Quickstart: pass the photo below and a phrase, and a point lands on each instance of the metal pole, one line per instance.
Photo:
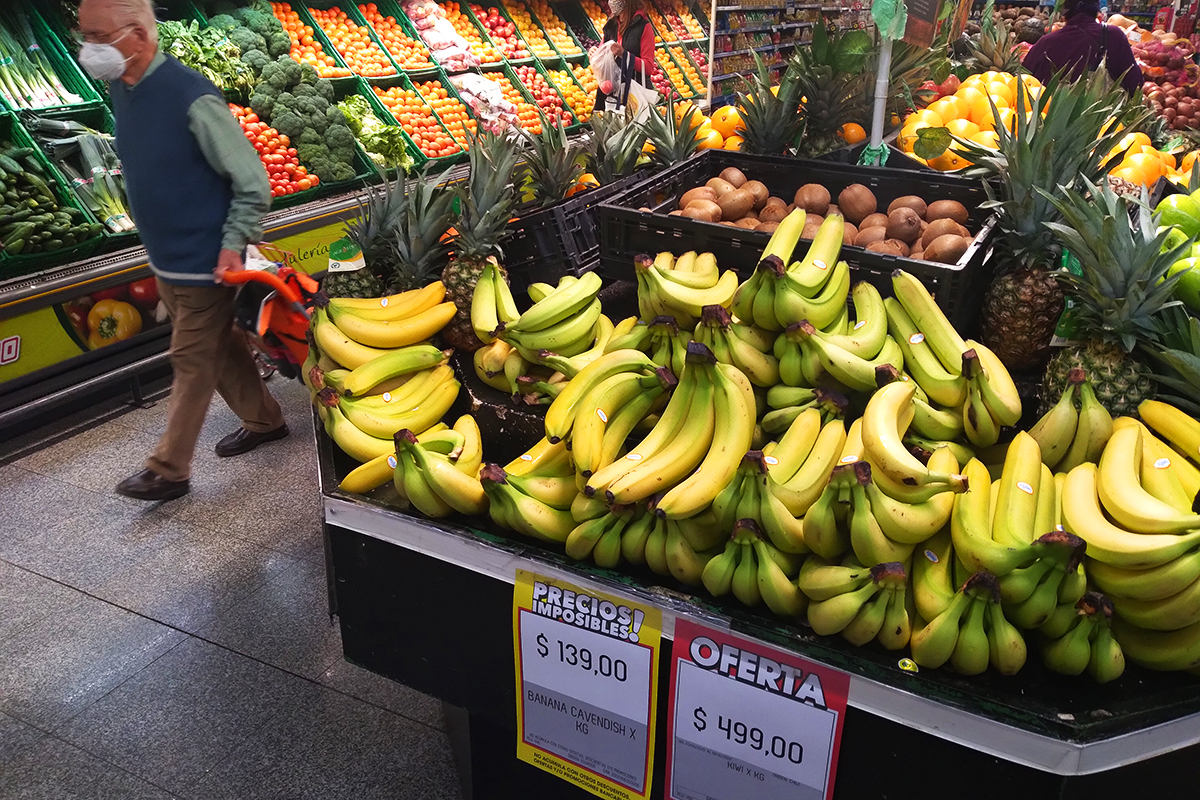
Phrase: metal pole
(881, 91)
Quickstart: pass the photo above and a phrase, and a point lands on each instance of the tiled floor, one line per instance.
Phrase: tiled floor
(185, 650)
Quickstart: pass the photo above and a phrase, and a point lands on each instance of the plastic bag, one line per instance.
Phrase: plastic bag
(607, 70)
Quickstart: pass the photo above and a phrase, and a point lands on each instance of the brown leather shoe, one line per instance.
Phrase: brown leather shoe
(243, 441)
(149, 485)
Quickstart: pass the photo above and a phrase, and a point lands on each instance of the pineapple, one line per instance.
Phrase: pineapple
(673, 136)
(416, 246)
(1179, 356)
(994, 47)
(360, 283)
(552, 165)
(370, 230)
(1122, 287)
(835, 86)
(614, 147)
(771, 123)
(1036, 163)
(487, 202)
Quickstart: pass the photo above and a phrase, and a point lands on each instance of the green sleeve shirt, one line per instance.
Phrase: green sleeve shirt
(230, 154)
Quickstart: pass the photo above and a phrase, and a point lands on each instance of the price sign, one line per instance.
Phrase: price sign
(587, 674)
(748, 720)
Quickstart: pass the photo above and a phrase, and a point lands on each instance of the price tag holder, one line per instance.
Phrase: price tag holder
(587, 679)
(747, 720)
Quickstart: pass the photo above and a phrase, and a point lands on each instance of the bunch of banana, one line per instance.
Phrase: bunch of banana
(607, 414)
(740, 345)
(492, 303)
(461, 444)
(708, 423)
(1033, 594)
(826, 523)
(932, 426)
(845, 593)
(970, 632)
(692, 270)
(600, 538)
(666, 344)
(941, 383)
(748, 496)
(883, 528)
(801, 465)
(992, 400)
(338, 327)
(789, 402)
(534, 493)
(754, 300)
(563, 412)
(852, 370)
(1066, 437)
(673, 292)
(563, 322)
(489, 362)
(739, 568)
(1085, 642)
(885, 421)
(432, 482)
(363, 427)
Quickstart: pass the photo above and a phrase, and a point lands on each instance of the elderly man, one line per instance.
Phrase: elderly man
(198, 193)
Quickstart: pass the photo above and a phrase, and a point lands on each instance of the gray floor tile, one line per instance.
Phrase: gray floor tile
(187, 583)
(96, 543)
(333, 746)
(285, 623)
(376, 689)
(28, 598)
(16, 737)
(55, 770)
(55, 668)
(180, 716)
(27, 496)
(97, 458)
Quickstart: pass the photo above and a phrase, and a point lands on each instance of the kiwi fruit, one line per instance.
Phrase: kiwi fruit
(857, 202)
(646, 208)
(735, 204)
(873, 220)
(720, 186)
(908, 201)
(947, 209)
(751, 214)
(675, 213)
(772, 213)
(810, 229)
(758, 190)
(730, 223)
(890, 247)
(699, 193)
(900, 245)
(903, 224)
(941, 227)
(917, 252)
(848, 233)
(946, 249)
(749, 223)
(734, 176)
(813, 198)
(866, 236)
(833, 209)
(703, 210)
(767, 227)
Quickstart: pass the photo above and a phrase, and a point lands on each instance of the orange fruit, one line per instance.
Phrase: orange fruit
(987, 139)
(970, 94)
(946, 108)
(948, 161)
(1001, 89)
(710, 140)
(734, 142)
(908, 135)
(925, 116)
(726, 121)
(1188, 161)
(852, 133)
(1147, 166)
(962, 127)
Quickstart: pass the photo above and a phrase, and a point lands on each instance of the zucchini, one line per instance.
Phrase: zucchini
(32, 165)
(8, 165)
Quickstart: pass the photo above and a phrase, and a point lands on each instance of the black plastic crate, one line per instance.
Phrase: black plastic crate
(547, 243)
(625, 231)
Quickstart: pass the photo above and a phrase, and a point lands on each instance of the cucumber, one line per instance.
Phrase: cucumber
(8, 165)
(53, 244)
(13, 248)
(31, 165)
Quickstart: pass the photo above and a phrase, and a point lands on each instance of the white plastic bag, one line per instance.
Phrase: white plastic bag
(607, 70)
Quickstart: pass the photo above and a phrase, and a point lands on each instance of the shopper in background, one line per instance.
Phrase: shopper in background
(629, 31)
(198, 192)
(1081, 44)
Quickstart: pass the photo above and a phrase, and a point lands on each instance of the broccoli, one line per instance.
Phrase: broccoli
(283, 74)
(255, 60)
(340, 142)
(335, 116)
(223, 22)
(315, 102)
(264, 97)
(308, 73)
(325, 89)
(318, 160)
(261, 23)
(308, 136)
(287, 121)
(246, 39)
(278, 43)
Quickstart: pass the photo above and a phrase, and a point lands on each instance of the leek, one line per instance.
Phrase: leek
(26, 78)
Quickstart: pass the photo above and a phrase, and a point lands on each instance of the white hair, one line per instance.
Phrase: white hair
(134, 12)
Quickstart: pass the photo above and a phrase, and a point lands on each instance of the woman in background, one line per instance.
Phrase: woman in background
(628, 30)
(1081, 45)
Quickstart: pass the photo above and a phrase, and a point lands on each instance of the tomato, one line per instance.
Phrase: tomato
(115, 293)
(292, 152)
(278, 191)
(144, 292)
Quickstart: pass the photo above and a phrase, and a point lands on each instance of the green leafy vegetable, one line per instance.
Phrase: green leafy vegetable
(384, 143)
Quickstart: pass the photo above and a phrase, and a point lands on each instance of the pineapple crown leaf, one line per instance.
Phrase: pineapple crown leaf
(771, 123)
(551, 165)
(488, 196)
(614, 146)
(673, 142)
(1178, 355)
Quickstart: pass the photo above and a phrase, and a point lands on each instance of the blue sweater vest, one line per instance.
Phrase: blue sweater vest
(178, 200)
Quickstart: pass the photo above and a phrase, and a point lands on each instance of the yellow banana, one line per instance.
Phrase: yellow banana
(1095, 426)
(803, 488)
(403, 361)
(906, 523)
(1168, 614)
(1175, 426)
(928, 317)
(340, 347)
(933, 576)
(831, 616)
(523, 513)
(945, 386)
(795, 445)
(485, 319)
(870, 544)
(394, 333)
(1055, 431)
(882, 442)
(971, 528)
(820, 580)
(780, 595)
(461, 492)
(1155, 583)
(1159, 650)
(420, 417)
(1017, 500)
(933, 643)
(471, 456)
(1123, 496)
(542, 459)
(393, 306)
(996, 386)
(561, 414)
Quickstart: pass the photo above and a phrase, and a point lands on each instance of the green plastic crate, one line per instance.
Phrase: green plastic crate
(541, 24)
(13, 265)
(496, 4)
(59, 58)
(326, 46)
(419, 158)
(352, 12)
(390, 8)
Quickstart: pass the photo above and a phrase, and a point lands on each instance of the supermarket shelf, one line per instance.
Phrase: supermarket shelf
(764, 28)
(751, 8)
(898, 701)
(763, 49)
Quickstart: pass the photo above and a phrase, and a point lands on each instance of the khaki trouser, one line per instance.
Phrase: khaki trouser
(207, 353)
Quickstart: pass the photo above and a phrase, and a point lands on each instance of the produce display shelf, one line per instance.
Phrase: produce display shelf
(764, 49)
(758, 29)
(350, 9)
(751, 8)
(1044, 730)
(390, 8)
(59, 59)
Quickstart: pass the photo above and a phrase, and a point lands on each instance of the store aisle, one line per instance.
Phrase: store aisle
(185, 650)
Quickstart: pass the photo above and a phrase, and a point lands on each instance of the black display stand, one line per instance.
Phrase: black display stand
(430, 605)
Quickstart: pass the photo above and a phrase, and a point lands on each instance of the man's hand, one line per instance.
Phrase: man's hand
(228, 261)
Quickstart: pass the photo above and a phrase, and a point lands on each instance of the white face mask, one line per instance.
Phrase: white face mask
(104, 62)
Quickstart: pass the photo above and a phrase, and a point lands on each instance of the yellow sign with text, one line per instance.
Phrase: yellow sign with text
(33, 341)
(308, 251)
(587, 685)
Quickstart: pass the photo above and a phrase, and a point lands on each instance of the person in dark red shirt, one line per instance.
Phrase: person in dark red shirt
(629, 31)
(1080, 46)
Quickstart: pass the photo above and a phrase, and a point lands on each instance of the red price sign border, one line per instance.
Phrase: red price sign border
(834, 684)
